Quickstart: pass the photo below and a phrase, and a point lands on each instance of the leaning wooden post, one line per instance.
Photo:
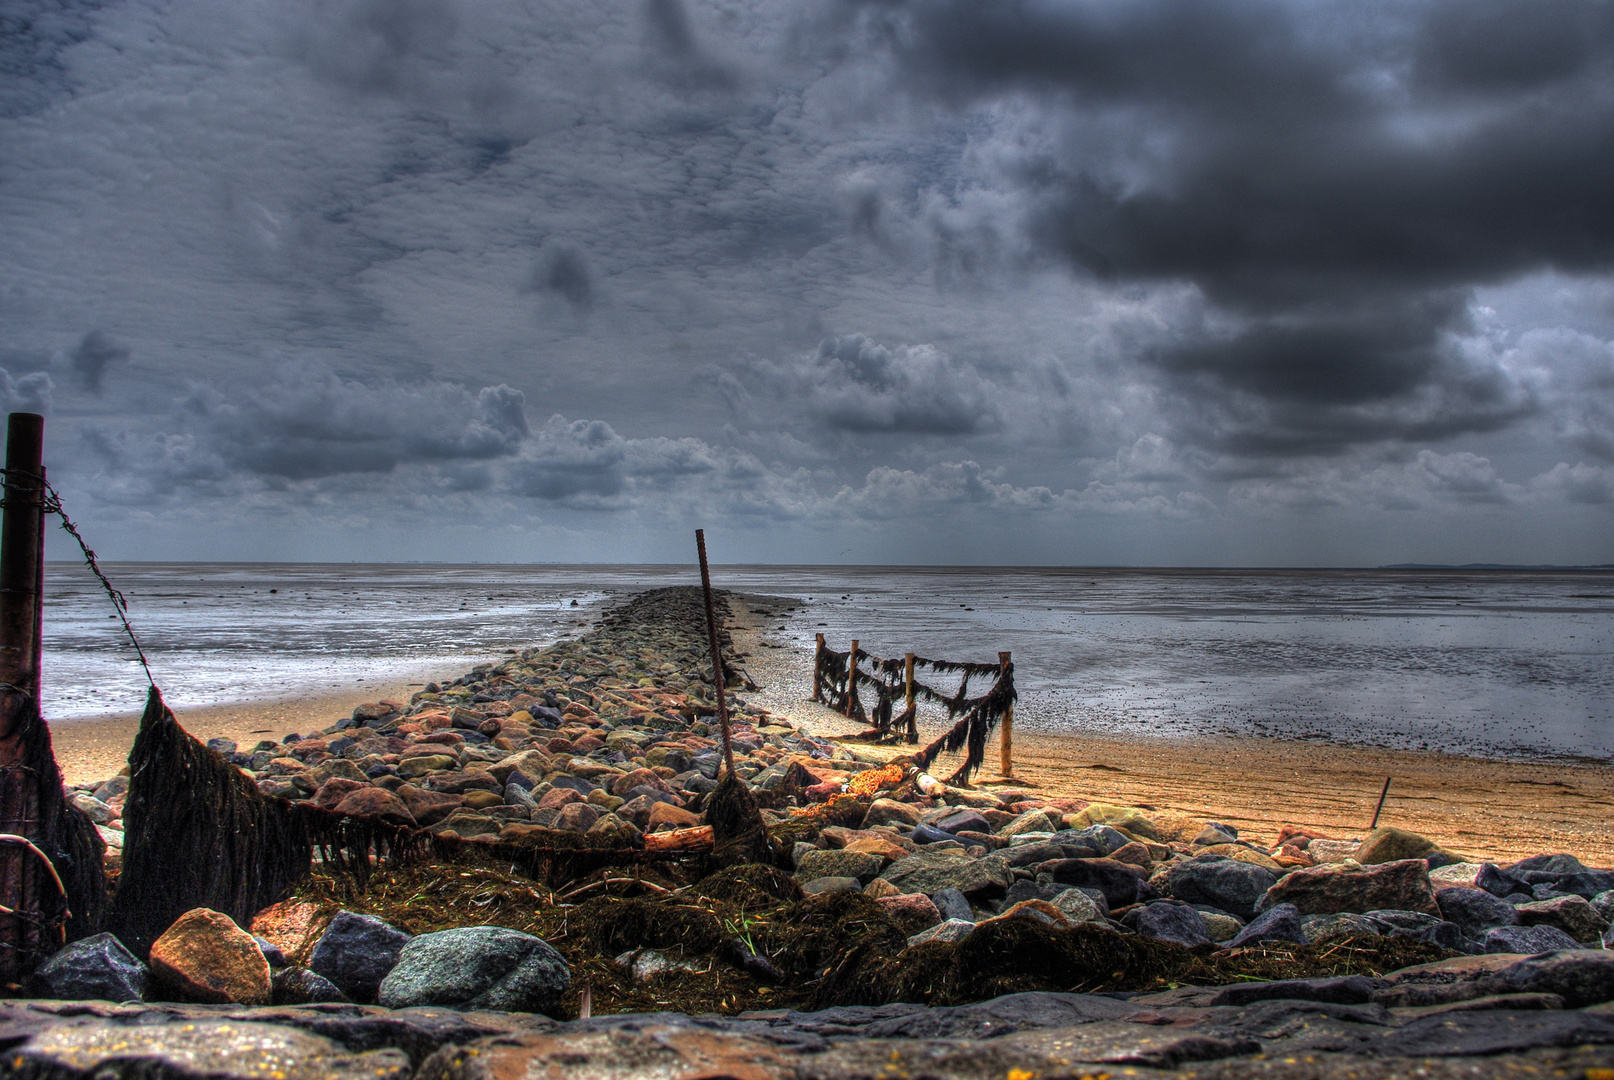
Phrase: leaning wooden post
(851, 677)
(1007, 746)
(21, 534)
(908, 705)
(818, 669)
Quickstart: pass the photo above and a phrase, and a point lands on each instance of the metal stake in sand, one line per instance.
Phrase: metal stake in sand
(717, 656)
(1379, 808)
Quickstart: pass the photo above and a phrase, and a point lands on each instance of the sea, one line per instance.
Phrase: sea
(1491, 663)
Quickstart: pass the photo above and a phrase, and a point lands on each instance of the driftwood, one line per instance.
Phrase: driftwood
(695, 839)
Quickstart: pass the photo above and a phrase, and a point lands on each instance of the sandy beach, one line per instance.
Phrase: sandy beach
(1498, 810)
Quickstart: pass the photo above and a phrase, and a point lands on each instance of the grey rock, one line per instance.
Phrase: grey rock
(952, 904)
(1497, 882)
(300, 986)
(931, 871)
(999, 1016)
(97, 967)
(953, 930)
(1078, 906)
(1581, 977)
(1572, 914)
(1394, 921)
(356, 952)
(1475, 1034)
(929, 834)
(1169, 920)
(475, 968)
(825, 885)
(1527, 939)
(1219, 882)
(1555, 865)
(1475, 910)
(862, 865)
(1342, 990)
(1219, 925)
(1121, 883)
(960, 820)
(1281, 923)
(1340, 924)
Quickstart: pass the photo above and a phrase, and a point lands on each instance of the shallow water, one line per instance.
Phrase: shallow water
(1492, 662)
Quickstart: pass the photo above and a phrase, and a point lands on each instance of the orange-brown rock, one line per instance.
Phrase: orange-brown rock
(1133, 853)
(668, 814)
(292, 926)
(206, 957)
(877, 845)
(428, 807)
(335, 790)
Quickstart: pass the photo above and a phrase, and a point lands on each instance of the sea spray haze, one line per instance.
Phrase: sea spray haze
(1486, 662)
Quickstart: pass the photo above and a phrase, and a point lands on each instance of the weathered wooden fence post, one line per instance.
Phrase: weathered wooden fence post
(818, 670)
(1007, 746)
(21, 576)
(908, 704)
(851, 677)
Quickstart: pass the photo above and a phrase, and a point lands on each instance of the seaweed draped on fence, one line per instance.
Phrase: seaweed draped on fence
(198, 833)
(971, 719)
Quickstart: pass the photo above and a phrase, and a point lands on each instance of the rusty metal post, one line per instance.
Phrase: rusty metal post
(851, 676)
(21, 555)
(717, 655)
(1006, 748)
(818, 670)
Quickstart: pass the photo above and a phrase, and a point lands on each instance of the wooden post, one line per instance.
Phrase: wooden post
(20, 570)
(717, 656)
(1006, 748)
(818, 678)
(851, 676)
(908, 704)
(21, 532)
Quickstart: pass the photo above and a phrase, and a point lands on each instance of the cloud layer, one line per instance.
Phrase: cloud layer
(1161, 281)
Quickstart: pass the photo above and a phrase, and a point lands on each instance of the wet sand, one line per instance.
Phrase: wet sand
(1498, 810)
(1495, 810)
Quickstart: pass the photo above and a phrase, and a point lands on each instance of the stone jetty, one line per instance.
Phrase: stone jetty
(906, 928)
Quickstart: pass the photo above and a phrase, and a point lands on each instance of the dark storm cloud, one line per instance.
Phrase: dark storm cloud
(672, 40)
(92, 356)
(1333, 178)
(33, 36)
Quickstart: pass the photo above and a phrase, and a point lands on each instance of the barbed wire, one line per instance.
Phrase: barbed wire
(51, 503)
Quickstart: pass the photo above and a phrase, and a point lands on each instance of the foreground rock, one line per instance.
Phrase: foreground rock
(1477, 1017)
(476, 968)
(206, 957)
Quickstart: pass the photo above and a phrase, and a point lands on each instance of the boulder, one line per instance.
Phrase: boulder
(1475, 910)
(951, 931)
(664, 813)
(1125, 818)
(1498, 882)
(356, 952)
(1574, 915)
(1219, 925)
(843, 863)
(428, 807)
(477, 967)
(1332, 851)
(1227, 884)
(891, 812)
(952, 904)
(206, 957)
(292, 926)
(377, 803)
(1581, 977)
(95, 967)
(931, 871)
(299, 986)
(1322, 890)
(1121, 884)
(825, 885)
(1340, 924)
(577, 817)
(961, 819)
(1077, 906)
(332, 791)
(1389, 844)
(879, 889)
(1281, 923)
(1031, 821)
(1169, 920)
(1527, 939)
(912, 912)
(421, 764)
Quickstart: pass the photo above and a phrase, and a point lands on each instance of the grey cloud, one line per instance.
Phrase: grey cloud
(856, 385)
(31, 393)
(92, 356)
(563, 271)
(309, 422)
(1333, 178)
(684, 62)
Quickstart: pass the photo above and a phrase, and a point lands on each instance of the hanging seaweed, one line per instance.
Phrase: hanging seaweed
(198, 833)
(52, 848)
(980, 717)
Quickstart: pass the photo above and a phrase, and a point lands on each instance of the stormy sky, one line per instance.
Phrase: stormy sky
(1173, 282)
